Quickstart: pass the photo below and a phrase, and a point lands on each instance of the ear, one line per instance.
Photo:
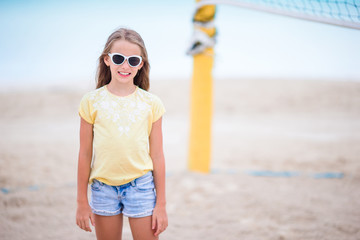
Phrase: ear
(107, 60)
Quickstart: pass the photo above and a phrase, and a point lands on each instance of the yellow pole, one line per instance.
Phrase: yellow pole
(201, 98)
(201, 112)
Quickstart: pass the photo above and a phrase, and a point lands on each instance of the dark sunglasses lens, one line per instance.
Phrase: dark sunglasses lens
(134, 61)
(118, 59)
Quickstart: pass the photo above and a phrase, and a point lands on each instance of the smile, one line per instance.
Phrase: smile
(124, 73)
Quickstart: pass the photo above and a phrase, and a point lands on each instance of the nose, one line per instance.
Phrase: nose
(126, 64)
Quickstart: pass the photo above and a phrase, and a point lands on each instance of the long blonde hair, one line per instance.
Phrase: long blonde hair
(103, 75)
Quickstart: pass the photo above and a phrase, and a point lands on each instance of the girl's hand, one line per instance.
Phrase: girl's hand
(159, 220)
(83, 214)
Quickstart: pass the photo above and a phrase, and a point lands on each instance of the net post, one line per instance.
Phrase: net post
(201, 89)
(201, 112)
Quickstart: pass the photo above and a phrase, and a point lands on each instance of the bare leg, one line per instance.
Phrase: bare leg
(141, 228)
(108, 227)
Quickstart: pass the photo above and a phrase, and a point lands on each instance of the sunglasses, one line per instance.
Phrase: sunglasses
(119, 59)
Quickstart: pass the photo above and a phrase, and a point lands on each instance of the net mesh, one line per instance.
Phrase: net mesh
(339, 12)
(342, 10)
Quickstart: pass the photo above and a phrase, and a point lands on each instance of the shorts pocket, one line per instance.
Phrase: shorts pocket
(145, 186)
(96, 185)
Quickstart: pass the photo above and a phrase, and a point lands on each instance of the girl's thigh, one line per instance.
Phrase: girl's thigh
(141, 228)
(108, 227)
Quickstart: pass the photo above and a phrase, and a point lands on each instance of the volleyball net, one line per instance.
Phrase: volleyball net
(345, 13)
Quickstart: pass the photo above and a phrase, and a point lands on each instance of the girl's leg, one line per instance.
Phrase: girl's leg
(141, 228)
(108, 227)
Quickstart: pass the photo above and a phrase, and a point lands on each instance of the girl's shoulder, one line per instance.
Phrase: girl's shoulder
(149, 97)
(147, 94)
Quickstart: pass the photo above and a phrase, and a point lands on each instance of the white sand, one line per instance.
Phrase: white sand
(306, 127)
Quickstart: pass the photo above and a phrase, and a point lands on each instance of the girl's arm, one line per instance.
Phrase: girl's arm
(83, 213)
(159, 219)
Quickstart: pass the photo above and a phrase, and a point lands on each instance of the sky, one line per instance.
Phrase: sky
(58, 42)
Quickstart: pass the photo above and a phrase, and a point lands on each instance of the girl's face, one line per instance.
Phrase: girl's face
(123, 73)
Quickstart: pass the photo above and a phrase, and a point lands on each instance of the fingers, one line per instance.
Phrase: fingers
(92, 219)
(161, 225)
(158, 231)
(87, 226)
(153, 224)
(83, 223)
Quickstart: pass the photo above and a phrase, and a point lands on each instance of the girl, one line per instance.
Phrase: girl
(122, 122)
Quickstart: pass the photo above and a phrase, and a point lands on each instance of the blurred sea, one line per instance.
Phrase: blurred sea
(58, 42)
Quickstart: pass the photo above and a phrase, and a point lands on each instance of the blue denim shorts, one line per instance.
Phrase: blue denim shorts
(134, 199)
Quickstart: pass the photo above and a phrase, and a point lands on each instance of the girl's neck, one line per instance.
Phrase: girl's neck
(120, 89)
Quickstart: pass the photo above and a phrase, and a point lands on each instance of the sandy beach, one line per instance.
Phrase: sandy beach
(285, 162)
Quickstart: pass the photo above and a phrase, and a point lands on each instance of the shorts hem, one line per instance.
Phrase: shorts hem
(139, 215)
(106, 213)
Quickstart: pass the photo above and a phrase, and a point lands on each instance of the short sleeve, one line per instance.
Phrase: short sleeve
(86, 110)
(158, 109)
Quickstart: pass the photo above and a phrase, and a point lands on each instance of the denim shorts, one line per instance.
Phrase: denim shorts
(135, 199)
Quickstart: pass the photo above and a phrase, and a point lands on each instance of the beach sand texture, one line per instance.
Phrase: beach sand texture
(285, 162)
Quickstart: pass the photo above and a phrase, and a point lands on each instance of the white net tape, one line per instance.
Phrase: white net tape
(344, 13)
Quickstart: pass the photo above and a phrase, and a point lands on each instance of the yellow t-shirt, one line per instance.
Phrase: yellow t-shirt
(122, 127)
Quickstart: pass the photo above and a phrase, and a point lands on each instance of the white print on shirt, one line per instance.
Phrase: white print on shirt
(122, 111)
